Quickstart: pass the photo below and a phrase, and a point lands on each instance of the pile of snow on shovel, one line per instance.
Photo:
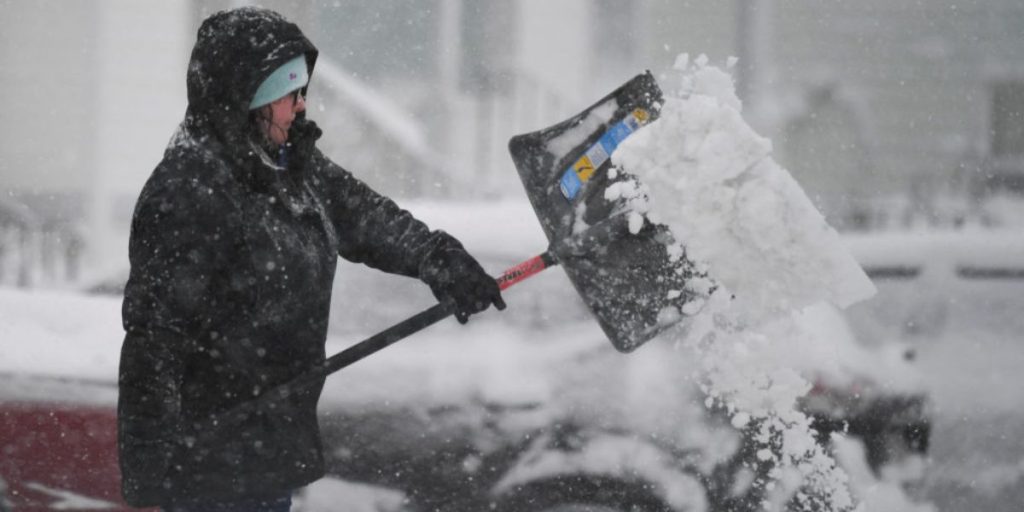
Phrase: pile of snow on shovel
(769, 255)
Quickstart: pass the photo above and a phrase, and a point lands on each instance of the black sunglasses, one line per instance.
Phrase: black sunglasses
(296, 94)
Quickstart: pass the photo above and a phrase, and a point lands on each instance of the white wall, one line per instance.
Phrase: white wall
(553, 46)
(142, 55)
(92, 92)
(46, 55)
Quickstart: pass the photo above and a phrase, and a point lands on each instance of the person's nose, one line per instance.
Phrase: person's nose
(300, 104)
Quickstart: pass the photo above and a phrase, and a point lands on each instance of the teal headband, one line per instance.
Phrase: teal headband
(290, 76)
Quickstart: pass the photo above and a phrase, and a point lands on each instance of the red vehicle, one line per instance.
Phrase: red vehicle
(58, 441)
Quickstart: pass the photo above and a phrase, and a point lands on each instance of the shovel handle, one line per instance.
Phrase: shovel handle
(426, 318)
(378, 341)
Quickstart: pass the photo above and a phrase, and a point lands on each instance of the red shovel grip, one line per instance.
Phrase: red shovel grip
(525, 269)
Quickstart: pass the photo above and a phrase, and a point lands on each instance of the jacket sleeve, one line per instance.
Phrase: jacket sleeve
(175, 253)
(373, 230)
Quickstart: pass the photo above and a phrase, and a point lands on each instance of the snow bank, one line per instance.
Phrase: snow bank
(878, 494)
(326, 494)
(500, 228)
(744, 220)
(60, 335)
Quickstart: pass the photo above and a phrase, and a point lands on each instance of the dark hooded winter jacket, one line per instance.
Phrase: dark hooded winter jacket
(232, 261)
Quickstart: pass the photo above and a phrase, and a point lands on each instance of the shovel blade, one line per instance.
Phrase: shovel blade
(623, 272)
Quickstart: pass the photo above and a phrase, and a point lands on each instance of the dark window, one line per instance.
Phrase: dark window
(1008, 119)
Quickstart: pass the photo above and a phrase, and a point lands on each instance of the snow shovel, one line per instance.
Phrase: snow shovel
(617, 260)
(623, 273)
(619, 266)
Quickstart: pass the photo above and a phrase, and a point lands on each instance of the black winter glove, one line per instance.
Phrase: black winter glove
(455, 277)
(302, 139)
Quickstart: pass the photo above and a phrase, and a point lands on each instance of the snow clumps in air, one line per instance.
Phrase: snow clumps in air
(770, 254)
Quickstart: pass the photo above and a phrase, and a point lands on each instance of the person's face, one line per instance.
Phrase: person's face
(279, 115)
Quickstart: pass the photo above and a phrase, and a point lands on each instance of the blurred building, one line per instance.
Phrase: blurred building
(895, 112)
(889, 113)
(94, 90)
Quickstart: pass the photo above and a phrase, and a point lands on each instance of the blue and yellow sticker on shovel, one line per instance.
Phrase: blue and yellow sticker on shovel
(581, 171)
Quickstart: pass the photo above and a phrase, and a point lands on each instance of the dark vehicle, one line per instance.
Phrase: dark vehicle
(955, 299)
(536, 412)
(589, 429)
